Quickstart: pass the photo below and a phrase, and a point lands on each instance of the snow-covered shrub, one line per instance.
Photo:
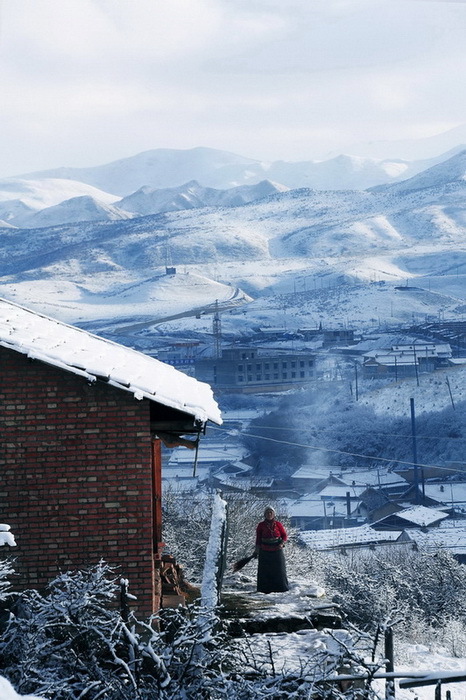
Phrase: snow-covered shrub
(438, 585)
(73, 642)
(328, 418)
(6, 573)
(363, 595)
(453, 637)
(186, 525)
(431, 586)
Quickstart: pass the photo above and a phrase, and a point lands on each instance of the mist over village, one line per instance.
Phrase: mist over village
(233, 350)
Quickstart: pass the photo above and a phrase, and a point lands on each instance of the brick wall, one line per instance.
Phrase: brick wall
(75, 461)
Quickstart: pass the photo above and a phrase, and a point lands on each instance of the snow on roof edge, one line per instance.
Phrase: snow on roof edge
(156, 381)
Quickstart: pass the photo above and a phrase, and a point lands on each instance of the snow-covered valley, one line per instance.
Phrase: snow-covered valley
(156, 266)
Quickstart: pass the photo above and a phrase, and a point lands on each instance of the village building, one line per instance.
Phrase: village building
(251, 370)
(311, 512)
(449, 535)
(310, 478)
(329, 336)
(406, 360)
(349, 538)
(82, 423)
(413, 516)
(452, 332)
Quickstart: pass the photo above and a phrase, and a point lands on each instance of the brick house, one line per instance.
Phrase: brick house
(81, 424)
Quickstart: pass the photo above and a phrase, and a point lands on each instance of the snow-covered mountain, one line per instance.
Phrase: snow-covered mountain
(339, 256)
(167, 168)
(438, 176)
(20, 198)
(39, 193)
(84, 208)
(330, 246)
(192, 195)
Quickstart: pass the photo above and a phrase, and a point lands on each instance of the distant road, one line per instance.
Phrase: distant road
(236, 300)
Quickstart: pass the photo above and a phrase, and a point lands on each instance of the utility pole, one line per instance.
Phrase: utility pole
(217, 331)
(416, 468)
(451, 395)
(356, 380)
(415, 365)
(413, 435)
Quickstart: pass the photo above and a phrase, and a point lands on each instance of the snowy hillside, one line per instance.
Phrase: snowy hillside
(19, 198)
(130, 300)
(452, 170)
(192, 195)
(430, 394)
(76, 209)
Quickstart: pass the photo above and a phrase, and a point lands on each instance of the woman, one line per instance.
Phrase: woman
(270, 540)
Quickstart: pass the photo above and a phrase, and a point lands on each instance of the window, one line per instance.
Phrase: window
(258, 368)
(240, 378)
(275, 365)
(302, 374)
(240, 368)
(249, 368)
(258, 377)
(267, 365)
(293, 365)
(249, 377)
(310, 363)
(284, 365)
(275, 376)
(267, 377)
(293, 375)
(285, 376)
(301, 363)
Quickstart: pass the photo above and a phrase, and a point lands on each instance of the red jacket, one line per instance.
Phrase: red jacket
(270, 534)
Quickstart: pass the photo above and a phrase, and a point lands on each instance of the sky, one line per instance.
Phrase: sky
(87, 82)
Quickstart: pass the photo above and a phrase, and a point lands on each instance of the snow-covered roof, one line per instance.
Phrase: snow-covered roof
(336, 491)
(316, 473)
(451, 493)
(345, 536)
(318, 508)
(452, 537)
(210, 453)
(371, 477)
(419, 515)
(245, 483)
(89, 356)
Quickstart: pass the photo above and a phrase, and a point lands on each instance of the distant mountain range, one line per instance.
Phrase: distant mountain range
(170, 180)
(265, 239)
(428, 209)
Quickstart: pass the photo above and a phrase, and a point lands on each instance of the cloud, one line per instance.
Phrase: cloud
(87, 81)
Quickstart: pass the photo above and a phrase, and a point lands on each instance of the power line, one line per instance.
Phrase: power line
(342, 452)
(371, 432)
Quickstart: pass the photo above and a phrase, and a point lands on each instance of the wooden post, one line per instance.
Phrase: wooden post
(438, 690)
(389, 664)
(157, 496)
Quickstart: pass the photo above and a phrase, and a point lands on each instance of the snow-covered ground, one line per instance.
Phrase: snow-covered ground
(291, 651)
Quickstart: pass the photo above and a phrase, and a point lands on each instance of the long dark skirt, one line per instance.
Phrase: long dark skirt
(271, 572)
